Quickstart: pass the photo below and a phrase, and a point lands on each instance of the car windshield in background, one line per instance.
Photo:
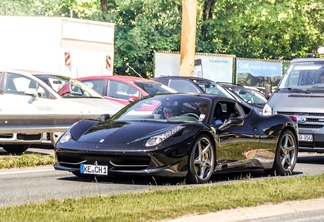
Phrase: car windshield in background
(212, 88)
(68, 87)
(249, 95)
(164, 108)
(305, 77)
(154, 87)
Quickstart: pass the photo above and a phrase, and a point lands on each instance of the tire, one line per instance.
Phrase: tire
(15, 148)
(201, 160)
(286, 155)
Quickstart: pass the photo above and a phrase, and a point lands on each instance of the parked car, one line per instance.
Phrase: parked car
(22, 90)
(300, 92)
(190, 144)
(201, 85)
(246, 94)
(124, 89)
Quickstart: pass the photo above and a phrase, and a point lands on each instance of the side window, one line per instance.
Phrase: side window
(96, 85)
(293, 80)
(11, 84)
(225, 110)
(18, 84)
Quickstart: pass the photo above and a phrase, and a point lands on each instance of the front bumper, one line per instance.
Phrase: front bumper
(124, 163)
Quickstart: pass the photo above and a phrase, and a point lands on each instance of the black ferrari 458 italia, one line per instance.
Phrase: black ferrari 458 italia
(180, 135)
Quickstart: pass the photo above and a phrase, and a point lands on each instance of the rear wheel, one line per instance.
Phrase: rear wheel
(15, 148)
(286, 154)
(201, 160)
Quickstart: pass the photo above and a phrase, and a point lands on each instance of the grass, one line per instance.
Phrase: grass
(25, 160)
(156, 205)
(169, 203)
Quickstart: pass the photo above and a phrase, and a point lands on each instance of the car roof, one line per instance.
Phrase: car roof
(116, 77)
(35, 73)
(307, 60)
(229, 84)
(203, 95)
(54, 75)
(183, 77)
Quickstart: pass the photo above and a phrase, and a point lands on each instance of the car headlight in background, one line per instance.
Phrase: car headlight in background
(155, 140)
(267, 110)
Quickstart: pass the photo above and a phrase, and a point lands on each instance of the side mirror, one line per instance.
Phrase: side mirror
(232, 121)
(104, 117)
(267, 91)
(32, 92)
(133, 98)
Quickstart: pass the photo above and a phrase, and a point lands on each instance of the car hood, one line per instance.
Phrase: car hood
(100, 106)
(296, 102)
(111, 132)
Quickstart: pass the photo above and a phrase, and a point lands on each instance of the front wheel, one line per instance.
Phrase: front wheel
(201, 160)
(286, 154)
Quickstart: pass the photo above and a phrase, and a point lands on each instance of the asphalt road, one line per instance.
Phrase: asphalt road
(43, 183)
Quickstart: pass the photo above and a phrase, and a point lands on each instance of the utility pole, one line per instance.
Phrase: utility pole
(188, 37)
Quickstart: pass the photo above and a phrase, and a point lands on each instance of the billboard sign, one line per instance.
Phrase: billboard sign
(210, 66)
(258, 73)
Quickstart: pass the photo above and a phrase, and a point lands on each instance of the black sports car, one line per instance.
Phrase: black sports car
(206, 134)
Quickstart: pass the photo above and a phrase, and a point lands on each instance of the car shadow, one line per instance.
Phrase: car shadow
(163, 181)
(311, 159)
(34, 151)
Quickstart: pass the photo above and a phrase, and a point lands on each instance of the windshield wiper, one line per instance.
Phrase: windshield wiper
(296, 90)
(316, 88)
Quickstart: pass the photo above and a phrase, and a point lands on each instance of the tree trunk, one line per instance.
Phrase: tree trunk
(104, 7)
(207, 14)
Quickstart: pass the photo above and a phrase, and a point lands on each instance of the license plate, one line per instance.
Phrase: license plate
(93, 169)
(305, 137)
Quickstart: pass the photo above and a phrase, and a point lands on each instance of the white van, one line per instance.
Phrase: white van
(301, 93)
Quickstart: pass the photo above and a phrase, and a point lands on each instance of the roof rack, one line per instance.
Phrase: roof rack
(318, 54)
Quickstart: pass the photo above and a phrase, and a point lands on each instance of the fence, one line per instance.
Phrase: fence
(40, 122)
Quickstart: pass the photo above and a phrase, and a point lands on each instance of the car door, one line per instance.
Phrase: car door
(237, 142)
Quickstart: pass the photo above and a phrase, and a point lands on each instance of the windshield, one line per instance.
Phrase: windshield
(68, 87)
(154, 87)
(165, 108)
(304, 76)
(249, 95)
(213, 88)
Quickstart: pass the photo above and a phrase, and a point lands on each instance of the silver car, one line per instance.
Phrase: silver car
(23, 91)
(300, 93)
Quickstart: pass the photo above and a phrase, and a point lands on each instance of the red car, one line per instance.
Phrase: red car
(124, 89)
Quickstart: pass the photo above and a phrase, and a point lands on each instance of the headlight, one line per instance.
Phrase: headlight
(66, 137)
(155, 140)
(267, 110)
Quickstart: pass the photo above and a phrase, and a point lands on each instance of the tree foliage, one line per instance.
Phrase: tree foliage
(263, 29)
